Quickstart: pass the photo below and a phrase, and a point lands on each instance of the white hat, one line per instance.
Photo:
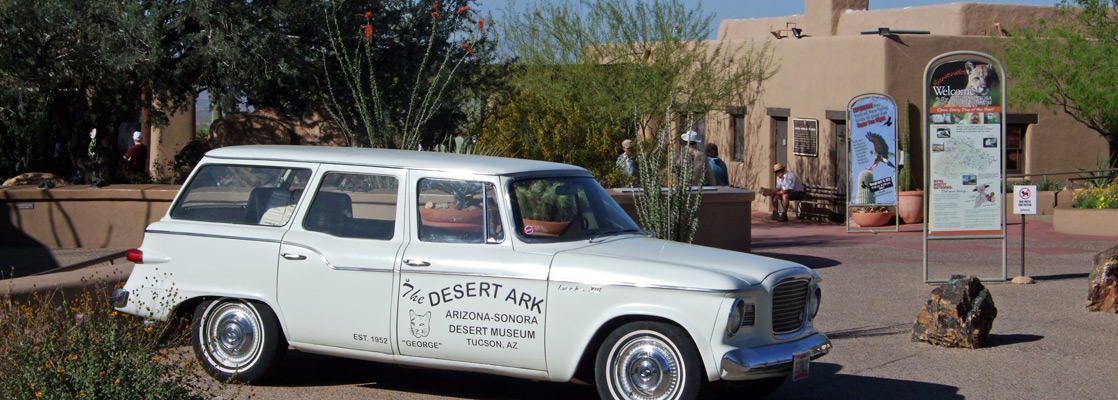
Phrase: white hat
(691, 136)
(137, 135)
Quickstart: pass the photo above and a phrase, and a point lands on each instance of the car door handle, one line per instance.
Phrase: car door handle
(292, 256)
(415, 263)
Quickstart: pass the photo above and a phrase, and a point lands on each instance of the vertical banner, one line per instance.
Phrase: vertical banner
(873, 150)
(964, 98)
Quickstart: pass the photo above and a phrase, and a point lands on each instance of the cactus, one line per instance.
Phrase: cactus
(865, 194)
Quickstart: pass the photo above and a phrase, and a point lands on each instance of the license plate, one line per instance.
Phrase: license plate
(801, 363)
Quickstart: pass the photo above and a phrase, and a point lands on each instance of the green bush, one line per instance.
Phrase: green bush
(67, 347)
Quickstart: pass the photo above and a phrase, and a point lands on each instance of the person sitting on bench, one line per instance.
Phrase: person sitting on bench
(788, 187)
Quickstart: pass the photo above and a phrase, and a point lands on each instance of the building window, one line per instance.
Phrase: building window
(1015, 148)
(738, 121)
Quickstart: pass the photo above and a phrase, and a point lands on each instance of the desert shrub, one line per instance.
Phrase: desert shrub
(59, 345)
(1105, 196)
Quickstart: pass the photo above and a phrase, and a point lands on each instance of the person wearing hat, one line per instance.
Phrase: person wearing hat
(136, 157)
(693, 153)
(788, 187)
(627, 162)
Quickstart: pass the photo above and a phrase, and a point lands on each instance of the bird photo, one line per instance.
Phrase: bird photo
(880, 151)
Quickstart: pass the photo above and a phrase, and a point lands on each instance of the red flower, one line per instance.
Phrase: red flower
(369, 33)
(481, 25)
(368, 14)
(435, 6)
(462, 10)
(434, 14)
(467, 47)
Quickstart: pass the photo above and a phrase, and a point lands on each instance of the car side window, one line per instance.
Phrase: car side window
(352, 205)
(458, 211)
(242, 194)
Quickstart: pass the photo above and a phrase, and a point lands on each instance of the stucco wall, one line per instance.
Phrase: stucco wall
(116, 216)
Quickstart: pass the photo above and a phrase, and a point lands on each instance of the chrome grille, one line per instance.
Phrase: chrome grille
(789, 303)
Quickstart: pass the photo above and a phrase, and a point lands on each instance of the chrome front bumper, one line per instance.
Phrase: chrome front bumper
(741, 364)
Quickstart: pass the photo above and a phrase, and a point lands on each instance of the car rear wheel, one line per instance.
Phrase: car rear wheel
(236, 340)
(646, 361)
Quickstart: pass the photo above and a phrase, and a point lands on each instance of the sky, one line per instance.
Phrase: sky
(738, 9)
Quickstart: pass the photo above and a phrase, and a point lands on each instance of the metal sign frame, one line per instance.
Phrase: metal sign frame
(957, 124)
(876, 111)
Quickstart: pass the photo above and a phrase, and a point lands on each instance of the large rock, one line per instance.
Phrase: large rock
(959, 314)
(1102, 292)
(35, 178)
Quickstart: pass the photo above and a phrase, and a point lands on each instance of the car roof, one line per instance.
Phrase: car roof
(426, 160)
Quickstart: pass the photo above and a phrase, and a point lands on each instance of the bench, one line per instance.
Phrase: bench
(824, 203)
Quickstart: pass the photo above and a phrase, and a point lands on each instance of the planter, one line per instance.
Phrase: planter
(1079, 221)
(911, 206)
(868, 219)
(451, 219)
(545, 228)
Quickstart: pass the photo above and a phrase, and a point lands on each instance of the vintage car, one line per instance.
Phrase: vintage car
(513, 267)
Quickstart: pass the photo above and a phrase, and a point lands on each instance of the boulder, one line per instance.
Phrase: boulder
(958, 314)
(35, 178)
(1102, 290)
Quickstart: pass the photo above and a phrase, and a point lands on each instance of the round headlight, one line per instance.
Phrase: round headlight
(813, 304)
(737, 315)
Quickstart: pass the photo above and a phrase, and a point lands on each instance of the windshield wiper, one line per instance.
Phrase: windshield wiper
(612, 232)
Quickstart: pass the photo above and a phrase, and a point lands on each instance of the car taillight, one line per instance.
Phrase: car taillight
(135, 255)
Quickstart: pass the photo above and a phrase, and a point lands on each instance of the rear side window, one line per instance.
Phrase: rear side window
(352, 205)
(241, 194)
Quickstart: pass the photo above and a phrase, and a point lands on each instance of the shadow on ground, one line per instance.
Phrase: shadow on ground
(826, 381)
(305, 370)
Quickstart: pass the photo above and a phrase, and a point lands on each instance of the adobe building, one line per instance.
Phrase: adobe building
(839, 49)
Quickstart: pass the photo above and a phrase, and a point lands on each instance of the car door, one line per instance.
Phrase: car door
(465, 295)
(336, 265)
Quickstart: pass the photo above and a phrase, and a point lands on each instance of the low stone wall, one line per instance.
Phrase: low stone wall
(79, 216)
(116, 216)
(724, 217)
(1093, 222)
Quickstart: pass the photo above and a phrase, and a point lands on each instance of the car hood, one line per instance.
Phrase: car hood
(644, 261)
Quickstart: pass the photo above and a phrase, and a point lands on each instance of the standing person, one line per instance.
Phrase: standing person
(701, 173)
(788, 187)
(717, 167)
(627, 162)
(136, 157)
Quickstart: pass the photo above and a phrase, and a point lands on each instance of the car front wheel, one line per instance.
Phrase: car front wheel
(646, 361)
(235, 340)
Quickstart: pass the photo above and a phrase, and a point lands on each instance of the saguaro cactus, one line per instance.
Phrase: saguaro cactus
(865, 194)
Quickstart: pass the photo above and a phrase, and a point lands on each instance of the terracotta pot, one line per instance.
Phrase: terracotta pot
(545, 228)
(869, 219)
(911, 206)
(453, 219)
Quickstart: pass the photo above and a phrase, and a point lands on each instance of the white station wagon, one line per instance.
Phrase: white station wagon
(513, 267)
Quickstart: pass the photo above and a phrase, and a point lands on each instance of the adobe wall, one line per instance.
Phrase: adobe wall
(79, 216)
(115, 216)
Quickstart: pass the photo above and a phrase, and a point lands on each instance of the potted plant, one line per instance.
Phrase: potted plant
(461, 209)
(867, 216)
(910, 201)
(545, 207)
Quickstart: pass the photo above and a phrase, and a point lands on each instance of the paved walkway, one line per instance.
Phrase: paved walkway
(1044, 344)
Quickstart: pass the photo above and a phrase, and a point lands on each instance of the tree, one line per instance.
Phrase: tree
(394, 70)
(98, 65)
(637, 66)
(1069, 62)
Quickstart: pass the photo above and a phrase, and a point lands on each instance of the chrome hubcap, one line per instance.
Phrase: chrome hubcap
(234, 330)
(646, 368)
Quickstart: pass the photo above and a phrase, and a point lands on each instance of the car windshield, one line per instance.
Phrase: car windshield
(566, 208)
